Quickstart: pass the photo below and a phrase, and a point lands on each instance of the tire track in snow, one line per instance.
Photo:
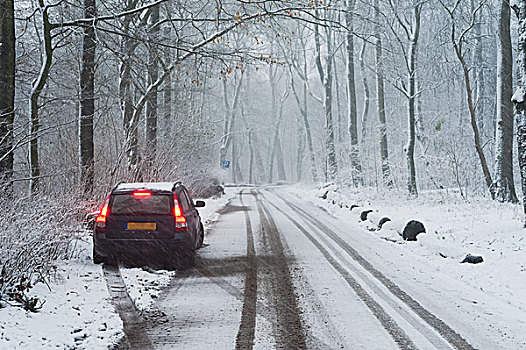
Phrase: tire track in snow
(290, 334)
(390, 325)
(450, 335)
(247, 327)
(134, 327)
(160, 329)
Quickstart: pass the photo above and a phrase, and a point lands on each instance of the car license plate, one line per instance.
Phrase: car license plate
(141, 226)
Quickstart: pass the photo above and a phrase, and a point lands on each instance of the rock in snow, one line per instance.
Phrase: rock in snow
(472, 259)
(383, 221)
(363, 215)
(412, 229)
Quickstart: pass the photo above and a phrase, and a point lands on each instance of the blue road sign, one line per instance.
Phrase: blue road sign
(226, 164)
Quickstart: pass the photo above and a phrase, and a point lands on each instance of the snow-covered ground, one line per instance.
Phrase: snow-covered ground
(78, 313)
(483, 302)
(492, 292)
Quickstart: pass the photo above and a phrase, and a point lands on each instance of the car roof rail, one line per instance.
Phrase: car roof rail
(177, 183)
(117, 185)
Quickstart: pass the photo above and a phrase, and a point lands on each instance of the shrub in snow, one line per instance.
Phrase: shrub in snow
(413, 229)
(34, 232)
(211, 190)
(200, 183)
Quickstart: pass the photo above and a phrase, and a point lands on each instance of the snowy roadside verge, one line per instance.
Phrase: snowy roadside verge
(78, 313)
(455, 227)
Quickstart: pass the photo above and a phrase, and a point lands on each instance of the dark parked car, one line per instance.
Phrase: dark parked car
(149, 222)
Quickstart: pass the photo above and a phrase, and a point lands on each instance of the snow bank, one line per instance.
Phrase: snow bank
(455, 227)
(77, 313)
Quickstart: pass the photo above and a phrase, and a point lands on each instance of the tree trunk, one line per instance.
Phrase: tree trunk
(130, 114)
(36, 90)
(356, 168)
(308, 134)
(233, 163)
(303, 106)
(519, 99)
(410, 147)
(505, 188)
(7, 89)
(300, 149)
(258, 177)
(380, 98)
(326, 79)
(251, 160)
(458, 47)
(87, 100)
(282, 176)
(339, 128)
(274, 116)
(130, 123)
(167, 101)
(479, 64)
(230, 116)
(167, 86)
(366, 94)
(471, 108)
(152, 102)
(276, 153)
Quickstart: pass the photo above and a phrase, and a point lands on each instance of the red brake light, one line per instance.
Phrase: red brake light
(103, 213)
(142, 194)
(180, 219)
(101, 219)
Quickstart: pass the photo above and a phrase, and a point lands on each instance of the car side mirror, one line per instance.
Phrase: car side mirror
(199, 204)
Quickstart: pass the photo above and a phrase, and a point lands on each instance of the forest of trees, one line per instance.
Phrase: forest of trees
(412, 95)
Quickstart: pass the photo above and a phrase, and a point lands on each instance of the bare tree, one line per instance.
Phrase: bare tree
(300, 65)
(411, 30)
(380, 99)
(36, 89)
(458, 45)
(7, 88)
(87, 100)
(276, 153)
(230, 117)
(326, 79)
(519, 98)
(356, 168)
(167, 88)
(479, 67)
(152, 102)
(130, 119)
(504, 185)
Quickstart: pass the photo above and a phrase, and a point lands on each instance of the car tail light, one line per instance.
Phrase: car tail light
(142, 194)
(100, 222)
(180, 219)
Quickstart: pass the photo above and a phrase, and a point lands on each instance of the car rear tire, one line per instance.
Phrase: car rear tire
(201, 236)
(97, 258)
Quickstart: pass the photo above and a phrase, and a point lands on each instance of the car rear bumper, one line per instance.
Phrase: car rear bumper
(141, 248)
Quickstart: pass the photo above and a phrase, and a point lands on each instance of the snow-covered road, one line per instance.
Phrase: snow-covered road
(281, 273)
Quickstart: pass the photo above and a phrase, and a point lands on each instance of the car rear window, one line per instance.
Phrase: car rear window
(127, 204)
